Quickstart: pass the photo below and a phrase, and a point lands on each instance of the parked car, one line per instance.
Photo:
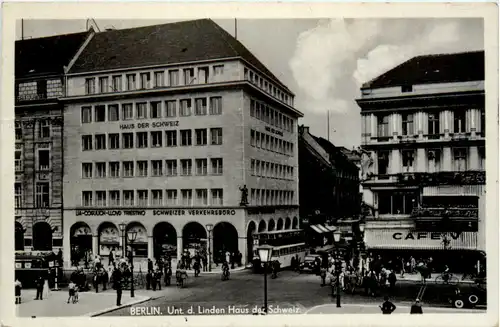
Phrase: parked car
(309, 263)
(468, 299)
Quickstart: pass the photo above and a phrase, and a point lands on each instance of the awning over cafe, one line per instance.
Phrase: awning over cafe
(320, 229)
(418, 240)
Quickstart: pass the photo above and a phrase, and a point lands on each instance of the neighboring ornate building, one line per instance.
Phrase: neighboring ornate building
(39, 83)
(171, 128)
(424, 124)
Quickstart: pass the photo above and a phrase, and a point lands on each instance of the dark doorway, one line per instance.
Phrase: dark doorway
(42, 237)
(19, 237)
(250, 246)
(225, 240)
(194, 237)
(165, 240)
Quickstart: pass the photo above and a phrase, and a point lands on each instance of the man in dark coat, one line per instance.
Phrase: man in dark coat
(387, 307)
(117, 285)
(416, 307)
(39, 288)
(392, 279)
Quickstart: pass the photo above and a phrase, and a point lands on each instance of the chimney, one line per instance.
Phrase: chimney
(305, 129)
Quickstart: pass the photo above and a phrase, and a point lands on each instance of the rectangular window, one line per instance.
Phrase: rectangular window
(217, 199)
(145, 80)
(100, 141)
(433, 124)
(252, 137)
(43, 159)
(383, 126)
(201, 136)
(216, 105)
(201, 197)
(216, 136)
(483, 122)
(89, 85)
(200, 107)
(87, 199)
(18, 160)
(86, 142)
(171, 197)
(459, 121)
(187, 197)
(114, 198)
(128, 169)
(460, 159)
(156, 139)
(42, 195)
(117, 83)
(185, 109)
(171, 108)
(203, 75)
(18, 195)
(19, 131)
(157, 167)
(218, 70)
(155, 110)
(113, 112)
(186, 167)
(127, 111)
(201, 167)
(216, 166)
(188, 76)
(44, 129)
(142, 139)
(100, 168)
(171, 167)
(114, 169)
(408, 159)
(482, 157)
(434, 160)
(408, 124)
(130, 82)
(171, 138)
(142, 196)
(142, 110)
(128, 140)
(100, 113)
(86, 115)
(156, 197)
(383, 162)
(159, 79)
(100, 197)
(128, 198)
(142, 168)
(114, 141)
(186, 137)
(173, 77)
(103, 84)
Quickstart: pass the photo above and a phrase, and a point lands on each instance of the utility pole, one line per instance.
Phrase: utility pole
(235, 28)
(22, 29)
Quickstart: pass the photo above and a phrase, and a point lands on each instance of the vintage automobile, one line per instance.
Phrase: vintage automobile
(309, 263)
(469, 298)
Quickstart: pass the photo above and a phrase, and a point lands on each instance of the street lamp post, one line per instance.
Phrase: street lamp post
(210, 227)
(132, 235)
(265, 254)
(338, 266)
(122, 231)
(362, 237)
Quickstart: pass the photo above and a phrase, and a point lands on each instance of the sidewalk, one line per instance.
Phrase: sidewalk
(90, 303)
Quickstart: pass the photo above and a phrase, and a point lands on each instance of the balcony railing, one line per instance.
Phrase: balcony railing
(445, 212)
(471, 177)
(32, 97)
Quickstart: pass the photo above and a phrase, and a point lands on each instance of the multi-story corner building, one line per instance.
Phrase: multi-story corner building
(172, 129)
(329, 189)
(39, 83)
(424, 124)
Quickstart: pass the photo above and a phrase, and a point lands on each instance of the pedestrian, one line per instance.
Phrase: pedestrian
(233, 259)
(117, 285)
(392, 280)
(168, 275)
(157, 277)
(71, 292)
(17, 287)
(95, 280)
(111, 258)
(150, 265)
(416, 307)
(148, 279)
(104, 278)
(153, 280)
(39, 288)
(387, 307)
(323, 276)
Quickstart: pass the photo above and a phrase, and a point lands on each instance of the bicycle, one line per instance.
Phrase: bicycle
(447, 279)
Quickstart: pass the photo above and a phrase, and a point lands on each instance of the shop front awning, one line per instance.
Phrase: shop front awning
(320, 229)
(401, 239)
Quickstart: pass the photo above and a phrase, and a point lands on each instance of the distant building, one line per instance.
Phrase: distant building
(39, 83)
(328, 186)
(171, 128)
(423, 123)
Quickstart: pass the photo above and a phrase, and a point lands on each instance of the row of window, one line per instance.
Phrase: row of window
(267, 86)
(42, 160)
(434, 160)
(152, 109)
(271, 197)
(153, 139)
(39, 90)
(433, 123)
(43, 130)
(154, 79)
(268, 169)
(42, 195)
(263, 112)
(153, 168)
(270, 143)
(143, 198)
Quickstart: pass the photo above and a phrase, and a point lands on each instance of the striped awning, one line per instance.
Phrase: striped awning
(320, 229)
(418, 240)
(331, 228)
(316, 229)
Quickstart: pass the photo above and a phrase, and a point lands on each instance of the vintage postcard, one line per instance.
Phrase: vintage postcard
(264, 164)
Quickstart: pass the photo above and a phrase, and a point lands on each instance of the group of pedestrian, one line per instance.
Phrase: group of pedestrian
(232, 258)
(388, 307)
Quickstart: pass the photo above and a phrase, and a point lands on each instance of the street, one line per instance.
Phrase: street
(289, 293)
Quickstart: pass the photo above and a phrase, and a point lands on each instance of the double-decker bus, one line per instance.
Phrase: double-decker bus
(287, 244)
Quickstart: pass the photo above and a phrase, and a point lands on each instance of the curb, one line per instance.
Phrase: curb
(107, 310)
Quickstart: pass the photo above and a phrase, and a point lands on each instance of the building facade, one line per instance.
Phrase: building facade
(423, 123)
(39, 83)
(189, 136)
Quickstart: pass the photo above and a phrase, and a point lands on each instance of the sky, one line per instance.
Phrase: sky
(323, 61)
